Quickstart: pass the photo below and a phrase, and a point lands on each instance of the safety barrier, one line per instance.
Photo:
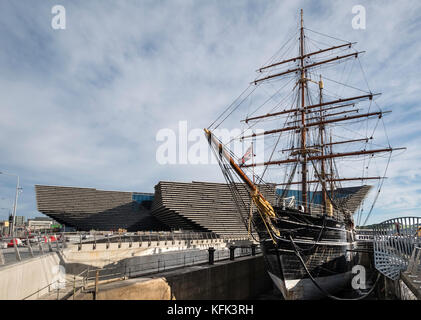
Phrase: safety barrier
(394, 242)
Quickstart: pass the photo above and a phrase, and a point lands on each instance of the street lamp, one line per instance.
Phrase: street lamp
(12, 228)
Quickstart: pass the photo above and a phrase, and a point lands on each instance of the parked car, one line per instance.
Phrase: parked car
(17, 241)
(46, 239)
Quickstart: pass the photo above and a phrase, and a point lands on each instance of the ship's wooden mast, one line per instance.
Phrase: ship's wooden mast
(332, 182)
(322, 133)
(302, 124)
(303, 120)
(320, 151)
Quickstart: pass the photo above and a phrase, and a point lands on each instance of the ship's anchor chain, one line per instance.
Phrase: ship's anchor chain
(323, 290)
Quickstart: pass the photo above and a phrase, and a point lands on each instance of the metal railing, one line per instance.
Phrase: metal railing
(164, 237)
(163, 263)
(95, 277)
(314, 208)
(41, 244)
(60, 288)
(89, 279)
(31, 247)
(394, 242)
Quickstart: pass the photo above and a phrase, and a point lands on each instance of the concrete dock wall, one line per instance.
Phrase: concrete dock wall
(139, 256)
(243, 278)
(20, 280)
(32, 277)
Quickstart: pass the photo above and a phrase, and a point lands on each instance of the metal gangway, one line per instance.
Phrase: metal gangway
(394, 244)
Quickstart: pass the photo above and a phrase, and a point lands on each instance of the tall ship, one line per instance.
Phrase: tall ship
(319, 133)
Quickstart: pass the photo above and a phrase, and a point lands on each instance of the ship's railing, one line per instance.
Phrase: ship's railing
(364, 235)
(394, 242)
(314, 208)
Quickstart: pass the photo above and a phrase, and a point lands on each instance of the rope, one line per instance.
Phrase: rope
(231, 106)
(322, 34)
(378, 191)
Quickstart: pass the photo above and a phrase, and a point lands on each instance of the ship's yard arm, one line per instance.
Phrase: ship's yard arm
(265, 209)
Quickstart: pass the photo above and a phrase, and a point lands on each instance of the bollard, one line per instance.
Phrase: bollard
(253, 249)
(211, 255)
(232, 250)
(80, 243)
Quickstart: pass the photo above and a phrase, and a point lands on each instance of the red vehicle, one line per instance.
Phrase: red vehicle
(17, 241)
(49, 238)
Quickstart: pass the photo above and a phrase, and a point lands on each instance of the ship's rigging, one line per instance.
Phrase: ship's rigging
(313, 133)
(316, 124)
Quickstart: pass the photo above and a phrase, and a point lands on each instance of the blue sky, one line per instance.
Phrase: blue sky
(82, 106)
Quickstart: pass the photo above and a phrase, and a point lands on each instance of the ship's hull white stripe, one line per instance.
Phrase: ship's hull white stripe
(305, 289)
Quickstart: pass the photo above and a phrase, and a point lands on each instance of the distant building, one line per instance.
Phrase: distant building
(4, 227)
(19, 221)
(40, 223)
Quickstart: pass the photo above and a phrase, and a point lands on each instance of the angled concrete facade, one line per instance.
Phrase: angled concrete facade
(198, 206)
(202, 206)
(87, 208)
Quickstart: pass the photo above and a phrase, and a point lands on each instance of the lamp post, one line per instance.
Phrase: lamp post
(12, 227)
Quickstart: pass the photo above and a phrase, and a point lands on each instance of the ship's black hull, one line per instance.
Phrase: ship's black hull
(325, 246)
